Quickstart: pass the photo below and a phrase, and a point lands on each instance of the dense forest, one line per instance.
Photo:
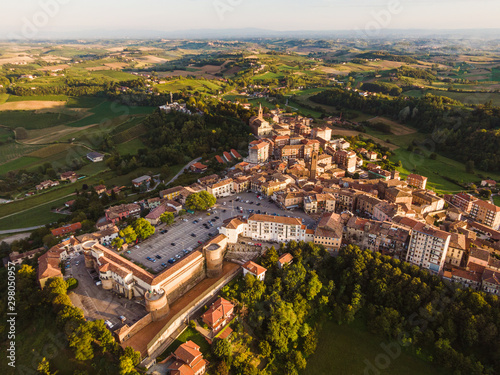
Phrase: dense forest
(454, 328)
(175, 135)
(461, 133)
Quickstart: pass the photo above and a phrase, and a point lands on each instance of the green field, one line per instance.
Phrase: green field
(109, 110)
(5, 134)
(349, 349)
(130, 147)
(83, 102)
(32, 120)
(114, 74)
(268, 75)
(40, 215)
(188, 84)
(16, 164)
(495, 74)
(3, 98)
(55, 98)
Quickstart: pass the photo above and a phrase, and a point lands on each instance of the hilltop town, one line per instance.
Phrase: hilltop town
(244, 211)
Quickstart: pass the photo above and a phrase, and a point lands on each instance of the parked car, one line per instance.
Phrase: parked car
(200, 242)
(178, 256)
(173, 244)
(128, 251)
(158, 256)
(193, 235)
(172, 260)
(163, 265)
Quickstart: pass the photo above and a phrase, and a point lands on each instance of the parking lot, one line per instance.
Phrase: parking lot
(98, 303)
(187, 235)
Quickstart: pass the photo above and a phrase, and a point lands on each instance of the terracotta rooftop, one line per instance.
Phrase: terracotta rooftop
(275, 219)
(254, 268)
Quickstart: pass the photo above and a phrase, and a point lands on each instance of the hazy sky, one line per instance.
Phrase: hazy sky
(51, 17)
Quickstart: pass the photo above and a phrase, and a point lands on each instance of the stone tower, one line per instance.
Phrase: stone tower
(157, 304)
(214, 255)
(261, 112)
(314, 164)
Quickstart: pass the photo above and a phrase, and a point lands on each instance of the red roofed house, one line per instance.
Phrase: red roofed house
(188, 360)
(285, 259)
(219, 159)
(99, 189)
(490, 183)
(70, 228)
(253, 268)
(235, 154)
(219, 314)
(198, 167)
(227, 156)
(69, 176)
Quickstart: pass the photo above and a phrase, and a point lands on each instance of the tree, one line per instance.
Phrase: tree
(126, 365)
(143, 228)
(117, 243)
(221, 348)
(129, 234)
(265, 349)
(43, 367)
(200, 201)
(81, 341)
(270, 259)
(167, 218)
(133, 354)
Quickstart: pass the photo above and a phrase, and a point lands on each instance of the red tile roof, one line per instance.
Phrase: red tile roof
(254, 268)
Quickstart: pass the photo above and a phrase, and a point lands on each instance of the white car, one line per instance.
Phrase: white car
(109, 324)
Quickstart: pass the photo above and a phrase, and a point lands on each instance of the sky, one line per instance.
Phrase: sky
(57, 18)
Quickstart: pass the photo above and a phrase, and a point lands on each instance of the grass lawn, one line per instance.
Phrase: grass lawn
(32, 120)
(346, 350)
(496, 199)
(188, 334)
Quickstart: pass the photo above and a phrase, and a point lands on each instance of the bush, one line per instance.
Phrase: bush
(72, 283)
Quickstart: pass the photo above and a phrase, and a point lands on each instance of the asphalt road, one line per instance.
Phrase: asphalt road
(181, 232)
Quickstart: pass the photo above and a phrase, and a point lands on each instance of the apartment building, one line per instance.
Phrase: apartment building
(485, 213)
(463, 201)
(222, 188)
(428, 247)
(417, 181)
(266, 228)
(258, 152)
